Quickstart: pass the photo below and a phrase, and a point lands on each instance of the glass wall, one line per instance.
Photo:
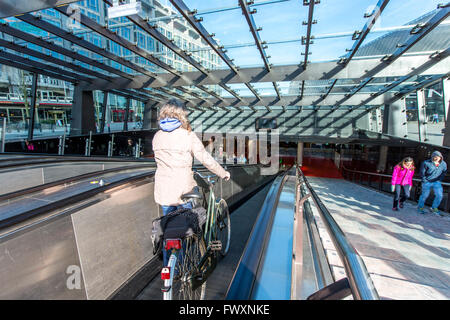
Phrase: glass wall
(433, 113)
(53, 104)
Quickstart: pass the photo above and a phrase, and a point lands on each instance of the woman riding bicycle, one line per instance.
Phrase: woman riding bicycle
(174, 147)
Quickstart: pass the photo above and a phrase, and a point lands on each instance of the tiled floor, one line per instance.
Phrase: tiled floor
(406, 253)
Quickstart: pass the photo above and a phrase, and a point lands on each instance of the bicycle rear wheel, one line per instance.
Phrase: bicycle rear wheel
(223, 226)
(186, 270)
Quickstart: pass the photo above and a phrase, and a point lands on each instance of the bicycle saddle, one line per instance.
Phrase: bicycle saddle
(193, 194)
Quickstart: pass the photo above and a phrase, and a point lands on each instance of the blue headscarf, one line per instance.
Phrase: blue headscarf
(169, 124)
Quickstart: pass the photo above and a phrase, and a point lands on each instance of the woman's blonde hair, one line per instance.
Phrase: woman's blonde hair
(407, 159)
(175, 109)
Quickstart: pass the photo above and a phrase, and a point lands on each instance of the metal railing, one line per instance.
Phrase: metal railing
(382, 182)
(359, 281)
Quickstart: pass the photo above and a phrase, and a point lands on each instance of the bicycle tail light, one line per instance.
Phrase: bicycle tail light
(165, 273)
(173, 244)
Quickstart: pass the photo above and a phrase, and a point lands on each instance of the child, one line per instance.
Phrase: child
(402, 179)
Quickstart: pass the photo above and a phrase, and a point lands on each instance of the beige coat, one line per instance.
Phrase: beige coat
(174, 153)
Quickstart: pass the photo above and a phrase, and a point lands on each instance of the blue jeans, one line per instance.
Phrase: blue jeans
(166, 210)
(438, 193)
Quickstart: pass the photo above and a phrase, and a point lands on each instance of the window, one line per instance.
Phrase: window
(92, 4)
(141, 40)
(150, 44)
(126, 33)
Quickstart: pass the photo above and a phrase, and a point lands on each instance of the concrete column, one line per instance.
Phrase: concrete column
(83, 112)
(379, 120)
(362, 122)
(104, 107)
(446, 97)
(299, 153)
(127, 112)
(150, 115)
(394, 119)
(150, 121)
(422, 115)
(381, 167)
(33, 107)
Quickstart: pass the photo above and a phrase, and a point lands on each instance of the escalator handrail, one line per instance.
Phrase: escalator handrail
(26, 214)
(361, 284)
(22, 192)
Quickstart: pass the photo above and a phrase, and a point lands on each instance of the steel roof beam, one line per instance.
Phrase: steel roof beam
(416, 36)
(435, 58)
(233, 93)
(302, 90)
(157, 94)
(101, 30)
(354, 91)
(307, 39)
(295, 101)
(260, 45)
(5, 28)
(10, 8)
(35, 64)
(29, 68)
(428, 82)
(356, 69)
(361, 36)
(200, 99)
(254, 30)
(277, 90)
(195, 23)
(39, 23)
(324, 96)
(129, 95)
(172, 94)
(417, 33)
(49, 58)
(404, 92)
(153, 31)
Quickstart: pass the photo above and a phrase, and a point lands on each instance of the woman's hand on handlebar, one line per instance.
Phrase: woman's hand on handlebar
(227, 176)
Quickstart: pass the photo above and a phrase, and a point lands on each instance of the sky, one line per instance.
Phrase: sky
(283, 21)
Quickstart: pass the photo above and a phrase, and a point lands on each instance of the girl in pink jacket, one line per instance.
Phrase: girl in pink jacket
(402, 179)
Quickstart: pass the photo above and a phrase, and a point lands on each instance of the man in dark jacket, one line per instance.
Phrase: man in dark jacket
(432, 172)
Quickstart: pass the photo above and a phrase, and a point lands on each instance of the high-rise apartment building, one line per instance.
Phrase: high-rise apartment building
(57, 95)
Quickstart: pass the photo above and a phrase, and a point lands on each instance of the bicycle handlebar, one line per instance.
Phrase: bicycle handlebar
(207, 178)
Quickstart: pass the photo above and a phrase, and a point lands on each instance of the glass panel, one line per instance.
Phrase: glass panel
(54, 107)
(117, 107)
(435, 113)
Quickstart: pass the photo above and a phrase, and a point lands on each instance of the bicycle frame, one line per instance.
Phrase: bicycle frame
(209, 258)
(209, 232)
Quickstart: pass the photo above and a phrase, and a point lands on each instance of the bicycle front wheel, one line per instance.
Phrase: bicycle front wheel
(223, 226)
(187, 276)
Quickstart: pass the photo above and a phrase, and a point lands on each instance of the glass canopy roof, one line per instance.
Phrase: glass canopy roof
(233, 37)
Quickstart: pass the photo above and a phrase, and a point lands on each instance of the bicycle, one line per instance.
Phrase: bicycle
(194, 258)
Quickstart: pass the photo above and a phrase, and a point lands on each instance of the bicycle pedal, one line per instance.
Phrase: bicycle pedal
(215, 245)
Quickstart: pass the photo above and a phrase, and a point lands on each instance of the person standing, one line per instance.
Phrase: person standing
(432, 172)
(175, 145)
(402, 180)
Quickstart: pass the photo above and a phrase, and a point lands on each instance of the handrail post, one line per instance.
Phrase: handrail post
(2, 150)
